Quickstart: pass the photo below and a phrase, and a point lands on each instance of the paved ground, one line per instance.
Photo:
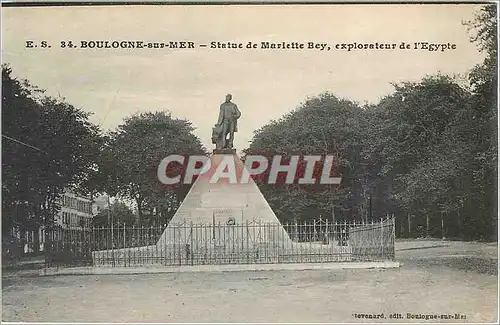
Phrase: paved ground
(435, 278)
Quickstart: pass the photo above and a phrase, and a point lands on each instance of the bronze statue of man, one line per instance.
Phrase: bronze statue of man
(226, 125)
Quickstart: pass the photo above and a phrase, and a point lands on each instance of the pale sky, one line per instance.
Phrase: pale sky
(266, 84)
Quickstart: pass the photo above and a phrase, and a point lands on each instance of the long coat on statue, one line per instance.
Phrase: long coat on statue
(229, 113)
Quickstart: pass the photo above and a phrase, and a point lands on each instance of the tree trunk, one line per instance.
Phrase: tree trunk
(139, 201)
(427, 226)
(409, 225)
(402, 228)
(460, 224)
(36, 240)
(22, 238)
(442, 226)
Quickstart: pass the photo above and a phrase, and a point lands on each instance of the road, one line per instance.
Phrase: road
(435, 279)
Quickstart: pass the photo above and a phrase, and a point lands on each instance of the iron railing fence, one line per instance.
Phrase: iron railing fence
(198, 244)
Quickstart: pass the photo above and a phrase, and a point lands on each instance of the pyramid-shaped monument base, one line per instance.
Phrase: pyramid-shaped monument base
(224, 211)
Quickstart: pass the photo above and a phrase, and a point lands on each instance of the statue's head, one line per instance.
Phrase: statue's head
(229, 97)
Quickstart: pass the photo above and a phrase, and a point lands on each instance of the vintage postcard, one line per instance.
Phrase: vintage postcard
(246, 163)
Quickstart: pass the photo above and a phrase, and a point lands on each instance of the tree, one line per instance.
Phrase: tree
(20, 115)
(120, 212)
(48, 146)
(425, 147)
(323, 125)
(136, 150)
(484, 133)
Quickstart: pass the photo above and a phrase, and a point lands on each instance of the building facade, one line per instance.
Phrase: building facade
(76, 212)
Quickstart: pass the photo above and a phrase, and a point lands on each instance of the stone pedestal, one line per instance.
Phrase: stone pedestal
(224, 213)
(224, 151)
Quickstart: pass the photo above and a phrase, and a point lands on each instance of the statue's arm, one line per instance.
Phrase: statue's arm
(237, 113)
(221, 116)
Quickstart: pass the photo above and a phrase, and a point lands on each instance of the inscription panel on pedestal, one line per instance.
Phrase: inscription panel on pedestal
(227, 216)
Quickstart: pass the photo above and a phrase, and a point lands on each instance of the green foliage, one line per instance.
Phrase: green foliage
(484, 29)
(47, 145)
(427, 151)
(136, 149)
(324, 125)
(119, 213)
(484, 132)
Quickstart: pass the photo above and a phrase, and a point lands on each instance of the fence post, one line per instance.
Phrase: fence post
(393, 237)
(92, 244)
(124, 245)
(305, 239)
(296, 235)
(112, 246)
(326, 239)
(213, 228)
(314, 229)
(345, 235)
(174, 242)
(247, 235)
(382, 236)
(191, 245)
